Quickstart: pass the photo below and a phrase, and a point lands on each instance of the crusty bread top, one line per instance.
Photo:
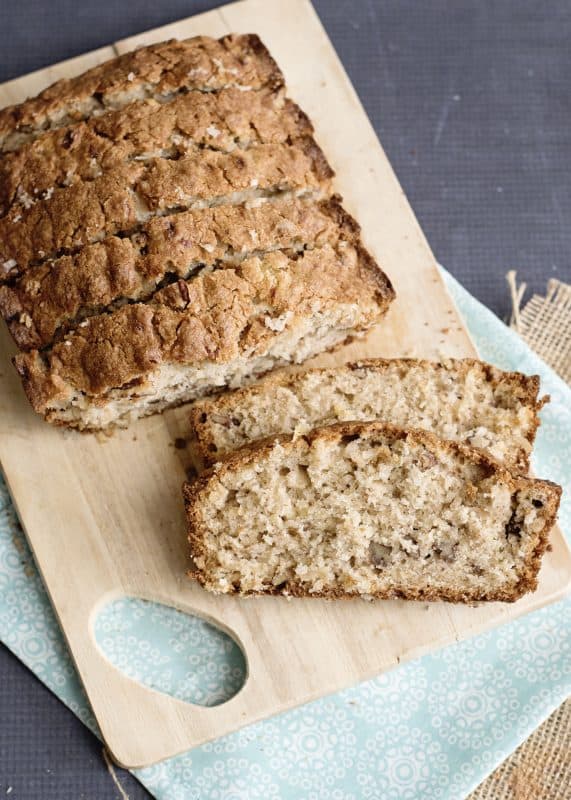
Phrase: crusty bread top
(120, 200)
(201, 63)
(55, 296)
(213, 317)
(473, 401)
(163, 210)
(212, 488)
(225, 121)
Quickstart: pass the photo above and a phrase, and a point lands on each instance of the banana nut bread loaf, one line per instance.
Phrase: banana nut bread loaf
(465, 400)
(363, 508)
(168, 227)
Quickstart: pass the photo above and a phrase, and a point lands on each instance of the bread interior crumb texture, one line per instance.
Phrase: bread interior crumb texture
(462, 400)
(381, 514)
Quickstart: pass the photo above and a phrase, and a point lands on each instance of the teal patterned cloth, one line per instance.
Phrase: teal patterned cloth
(433, 728)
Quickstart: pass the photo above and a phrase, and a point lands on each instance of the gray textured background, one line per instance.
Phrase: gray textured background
(472, 102)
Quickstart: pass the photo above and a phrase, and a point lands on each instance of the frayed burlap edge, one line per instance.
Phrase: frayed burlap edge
(544, 323)
(540, 769)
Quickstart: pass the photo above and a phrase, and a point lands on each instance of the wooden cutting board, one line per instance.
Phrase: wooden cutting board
(105, 518)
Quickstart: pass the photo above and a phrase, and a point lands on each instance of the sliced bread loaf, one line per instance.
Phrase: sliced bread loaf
(168, 228)
(464, 400)
(368, 509)
(159, 71)
(53, 297)
(193, 337)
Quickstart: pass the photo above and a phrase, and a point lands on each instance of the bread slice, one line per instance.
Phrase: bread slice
(464, 400)
(225, 121)
(67, 218)
(366, 509)
(218, 329)
(158, 71)
(51, 298)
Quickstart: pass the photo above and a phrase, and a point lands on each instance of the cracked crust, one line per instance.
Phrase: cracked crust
(156, 71)
(163, 212)
(53, 297)
(69, 218)
(211, 418)
(213, 318)
(224, 121)
(196, 494)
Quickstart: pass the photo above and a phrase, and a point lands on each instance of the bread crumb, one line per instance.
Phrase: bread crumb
(24, 199)
(366, 509)
(278, 323)
(300, 430)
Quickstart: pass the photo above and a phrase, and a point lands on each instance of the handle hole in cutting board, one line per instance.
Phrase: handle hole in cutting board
(170, 651)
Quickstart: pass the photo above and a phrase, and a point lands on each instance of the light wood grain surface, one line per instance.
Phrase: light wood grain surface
(105, 518)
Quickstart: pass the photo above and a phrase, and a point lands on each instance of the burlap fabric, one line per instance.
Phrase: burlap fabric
(540, 769)
(545, 323)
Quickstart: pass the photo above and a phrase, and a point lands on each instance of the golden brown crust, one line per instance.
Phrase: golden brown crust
(249, 455)
(54, 296)
(524, 388)
(291, 589)
(213, 317)
(158, 70)
(111, 184)
(223, 121)
(69, 218)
